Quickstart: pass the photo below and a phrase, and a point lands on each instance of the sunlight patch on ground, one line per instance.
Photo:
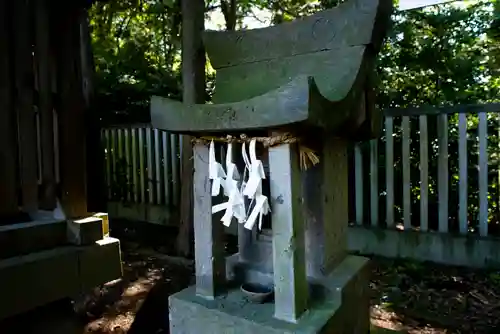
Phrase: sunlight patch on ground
(121, 315)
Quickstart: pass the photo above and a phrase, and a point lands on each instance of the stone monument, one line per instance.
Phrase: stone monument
(303, 89)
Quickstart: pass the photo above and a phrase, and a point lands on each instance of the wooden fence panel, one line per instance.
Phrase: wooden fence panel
(443, 172)
(389, 171)
(406, 173)
(136, 187)
(483, 174)
(167, 167)
(424, 173)
(45, 105)
(8, 128)
(128, 161)
(374, 191)
(358, 165)
(462, 170)
(24, 77)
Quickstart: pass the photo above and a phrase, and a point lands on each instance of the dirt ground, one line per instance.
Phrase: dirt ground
(407, 297)
(427, 298)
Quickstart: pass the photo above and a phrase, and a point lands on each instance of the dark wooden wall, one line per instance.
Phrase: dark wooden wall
(45, 79)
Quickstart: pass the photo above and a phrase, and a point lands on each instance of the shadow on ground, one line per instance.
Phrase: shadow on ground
(407, 297)
(140, 300)
(428, 298)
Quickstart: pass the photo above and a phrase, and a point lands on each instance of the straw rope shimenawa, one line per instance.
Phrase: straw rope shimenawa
(308, 157)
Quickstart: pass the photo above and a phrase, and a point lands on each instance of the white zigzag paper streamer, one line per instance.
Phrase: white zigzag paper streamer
(235, 206)
(228, 180)
(253, 189)
(216, 172)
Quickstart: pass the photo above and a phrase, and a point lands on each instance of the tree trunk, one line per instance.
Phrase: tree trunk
(228, 8)
(193, 82)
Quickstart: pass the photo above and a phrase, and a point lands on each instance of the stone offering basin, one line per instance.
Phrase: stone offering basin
(256, 293)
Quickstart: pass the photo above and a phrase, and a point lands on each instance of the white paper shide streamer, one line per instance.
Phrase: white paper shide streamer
(251, 188)
(216, 172)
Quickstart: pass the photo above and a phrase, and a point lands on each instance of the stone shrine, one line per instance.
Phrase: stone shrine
(313, 80)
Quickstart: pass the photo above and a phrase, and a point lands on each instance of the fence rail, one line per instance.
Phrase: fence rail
(142, 165)
(465, 140)
(434, 170)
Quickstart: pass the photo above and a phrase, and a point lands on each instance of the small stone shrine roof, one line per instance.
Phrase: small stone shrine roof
(310, 72)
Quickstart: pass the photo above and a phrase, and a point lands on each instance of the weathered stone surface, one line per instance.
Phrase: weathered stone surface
(324, 205)
(288, 103)
(38, 278)
(85, 231)
(99, 263)
(290, 280)
(341, 306)
(208, 231)
(24, 238)
(350, 278)
(311, 72)
(308, 75)
(325, 192)
(35, 279)
(352, 23)
(333, 78)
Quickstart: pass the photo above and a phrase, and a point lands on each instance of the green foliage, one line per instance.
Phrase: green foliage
(494, 35)
(136, 51)
(120, 185)
(440, 55)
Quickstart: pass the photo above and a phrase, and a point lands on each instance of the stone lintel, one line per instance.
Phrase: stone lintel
(208, 231)
(290, 281)
(290, 104)
(325, 191)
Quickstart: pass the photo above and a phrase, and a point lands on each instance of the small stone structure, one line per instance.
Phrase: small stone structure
(312, 78)
(47, 149)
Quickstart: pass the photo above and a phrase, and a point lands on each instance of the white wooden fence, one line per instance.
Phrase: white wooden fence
(150, 169)
(147, 160)
(419, 117)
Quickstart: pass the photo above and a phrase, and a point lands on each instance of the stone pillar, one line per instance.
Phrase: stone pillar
(210, 264)
(325, 190)
(290, 281)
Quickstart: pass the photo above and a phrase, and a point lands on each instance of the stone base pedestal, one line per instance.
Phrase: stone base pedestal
(38, 278)
(338, 304)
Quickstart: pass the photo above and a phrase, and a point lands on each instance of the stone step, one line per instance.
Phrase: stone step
(24, 238)
(38, 278)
